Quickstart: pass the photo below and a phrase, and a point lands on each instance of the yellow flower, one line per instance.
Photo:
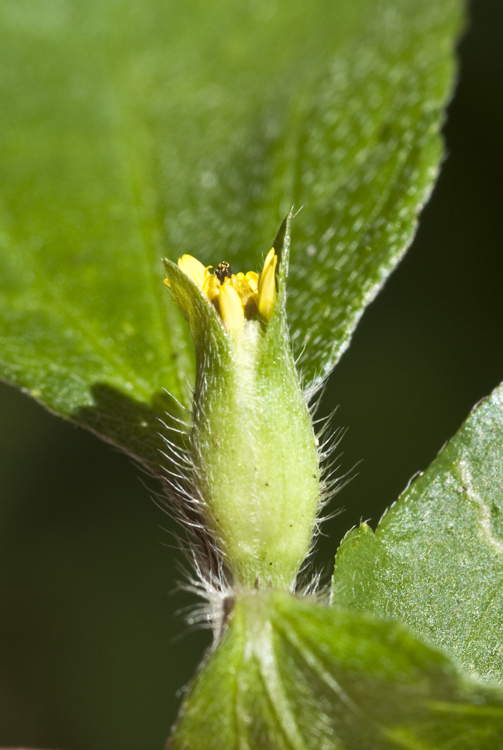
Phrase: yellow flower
(236, 297)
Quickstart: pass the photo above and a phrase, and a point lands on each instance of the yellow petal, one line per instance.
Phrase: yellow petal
(211, 287)
(267, 285)
(193, 268)
(252, 279)
(231, 307)
(248, 297)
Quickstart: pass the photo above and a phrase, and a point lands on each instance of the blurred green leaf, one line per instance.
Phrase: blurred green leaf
(132, 130)
(291, 674)
(436, 559)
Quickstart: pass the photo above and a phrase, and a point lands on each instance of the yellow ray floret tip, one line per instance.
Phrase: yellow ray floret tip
(231, 307)
(267, 285)
(193, 268)
(211, 287)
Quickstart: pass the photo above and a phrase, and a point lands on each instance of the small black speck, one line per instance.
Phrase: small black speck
(267, 484)
(314, 476)
(223, 271)
(270, 563)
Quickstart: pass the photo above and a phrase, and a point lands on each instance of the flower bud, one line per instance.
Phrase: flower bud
(253, 447)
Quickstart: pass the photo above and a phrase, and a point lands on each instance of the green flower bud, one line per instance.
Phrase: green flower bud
(253, 448)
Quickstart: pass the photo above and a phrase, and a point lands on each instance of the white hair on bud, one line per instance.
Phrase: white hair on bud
(182, 471)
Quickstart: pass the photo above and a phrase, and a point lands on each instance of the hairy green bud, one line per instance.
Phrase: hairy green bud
(254, 451)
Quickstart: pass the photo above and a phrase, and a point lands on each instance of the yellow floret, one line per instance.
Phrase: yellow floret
(267, 286)
(194, 269)
(231, 307)
(239, 297)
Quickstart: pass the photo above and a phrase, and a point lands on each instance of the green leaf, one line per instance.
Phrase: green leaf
(367, 153)
(436, 559)
(291, 674)
(136, 130)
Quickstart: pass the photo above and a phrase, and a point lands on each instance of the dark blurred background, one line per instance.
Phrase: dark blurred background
(92, 653)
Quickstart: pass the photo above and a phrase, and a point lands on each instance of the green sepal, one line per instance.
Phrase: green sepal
(206, 327)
